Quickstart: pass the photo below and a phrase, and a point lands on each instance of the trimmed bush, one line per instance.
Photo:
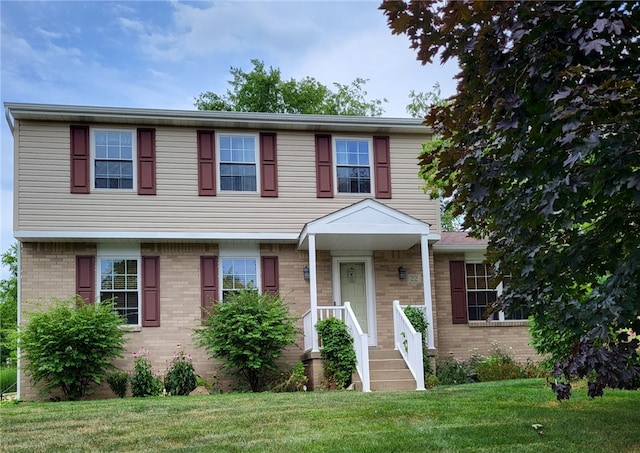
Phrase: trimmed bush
(338, 356)
(71, 345)
(248, 332)
(118, 383)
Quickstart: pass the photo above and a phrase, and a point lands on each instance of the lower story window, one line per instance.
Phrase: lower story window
(238, 274)
(482, 293)
(119, 282)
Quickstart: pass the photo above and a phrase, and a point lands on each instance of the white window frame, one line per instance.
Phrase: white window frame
(335, 165)
(256, 138)
(247, 252)
(134, 158)
(111, 252)
(498, 289)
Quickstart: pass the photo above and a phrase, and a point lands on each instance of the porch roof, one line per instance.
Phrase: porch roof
(366, 225)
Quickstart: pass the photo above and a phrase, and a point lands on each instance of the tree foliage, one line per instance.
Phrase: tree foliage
(9, 305)
(264, 90)
(249, 332)
(541, 152)
(71, 345)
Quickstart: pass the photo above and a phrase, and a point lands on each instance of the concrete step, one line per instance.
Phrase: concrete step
(389, 375)
(390, 386)
(377, 354)
(388, 372)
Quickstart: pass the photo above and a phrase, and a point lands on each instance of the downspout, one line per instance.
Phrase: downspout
(7, 114)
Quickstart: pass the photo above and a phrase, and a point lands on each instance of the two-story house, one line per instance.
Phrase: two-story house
(166, 211)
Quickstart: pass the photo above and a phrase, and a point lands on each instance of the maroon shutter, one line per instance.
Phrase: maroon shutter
(324, 167)
(206, 163)
(268, 165)
(146, 161)
(458, 292)
(151, 291)
(382, 165)
(80, 159)
(270, 280)
(208, 282)
(85, 278)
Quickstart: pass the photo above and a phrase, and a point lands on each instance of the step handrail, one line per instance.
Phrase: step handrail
(360, 345)
(409, 342)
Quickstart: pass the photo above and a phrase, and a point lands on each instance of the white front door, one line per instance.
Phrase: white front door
(353, 282)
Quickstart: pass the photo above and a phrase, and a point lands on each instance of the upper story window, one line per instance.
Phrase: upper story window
(120, 281)
(113, 159)
(353, 165)
(238, 168)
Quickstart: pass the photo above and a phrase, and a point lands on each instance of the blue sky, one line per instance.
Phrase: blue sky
(163, 54)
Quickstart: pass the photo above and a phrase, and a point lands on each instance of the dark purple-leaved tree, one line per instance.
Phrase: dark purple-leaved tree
(540, 151)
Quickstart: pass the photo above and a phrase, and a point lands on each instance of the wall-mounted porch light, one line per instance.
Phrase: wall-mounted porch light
(305, 272)
(402, 273)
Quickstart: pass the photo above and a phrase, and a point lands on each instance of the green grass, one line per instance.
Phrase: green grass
(8, 378)
(485, 417)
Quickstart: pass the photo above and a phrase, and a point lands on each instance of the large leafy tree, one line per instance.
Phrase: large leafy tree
(541, 152)
(264, 90)
(9, 305)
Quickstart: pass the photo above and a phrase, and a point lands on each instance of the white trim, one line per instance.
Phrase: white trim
(212, 119)
(134, 158)
(369, 288)
(120, 252)
(372, 186)
(257, 160)
(21, 235)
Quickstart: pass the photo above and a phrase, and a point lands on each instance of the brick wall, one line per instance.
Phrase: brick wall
(462, 340)
(48, 271)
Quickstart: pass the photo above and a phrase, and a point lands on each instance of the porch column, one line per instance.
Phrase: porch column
(426, 279)
(313, 291)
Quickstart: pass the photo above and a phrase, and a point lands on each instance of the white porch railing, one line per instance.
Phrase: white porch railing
(409, 343)
(360, 344)
(360, 339)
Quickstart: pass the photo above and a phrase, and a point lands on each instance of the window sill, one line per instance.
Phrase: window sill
(131, 328)
(506, 323)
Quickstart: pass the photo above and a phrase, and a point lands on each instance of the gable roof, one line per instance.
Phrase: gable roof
(365, 225)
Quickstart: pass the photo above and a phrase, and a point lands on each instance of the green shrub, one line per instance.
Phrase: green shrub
(451, 371)
(248, 332)
(8, 379)
(419, 322)
(144, 382)
(499, 366)
(294, 380)
(118, 383)
(71, 345)
(180, 378)
(338, 356)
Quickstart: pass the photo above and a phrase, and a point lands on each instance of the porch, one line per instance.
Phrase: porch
(377, 369)
(358, 252)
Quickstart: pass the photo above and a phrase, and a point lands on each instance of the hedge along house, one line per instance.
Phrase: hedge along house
(168, 211)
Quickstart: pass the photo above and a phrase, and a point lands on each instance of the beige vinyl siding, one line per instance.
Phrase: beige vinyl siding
(44, 201)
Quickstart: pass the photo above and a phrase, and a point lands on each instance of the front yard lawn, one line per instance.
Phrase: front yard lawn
(486, 417)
